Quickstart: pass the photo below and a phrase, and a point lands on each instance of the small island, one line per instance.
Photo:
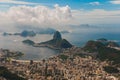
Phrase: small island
(24, 33)
(29, 42)
(56, 43)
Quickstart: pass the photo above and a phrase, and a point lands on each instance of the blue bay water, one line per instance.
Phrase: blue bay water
(78, 37)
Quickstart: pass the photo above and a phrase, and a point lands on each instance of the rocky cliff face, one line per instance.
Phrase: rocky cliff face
(57, 41)
(57, 36)
(65, 44)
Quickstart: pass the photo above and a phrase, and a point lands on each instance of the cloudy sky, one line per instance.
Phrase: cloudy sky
(57, 14)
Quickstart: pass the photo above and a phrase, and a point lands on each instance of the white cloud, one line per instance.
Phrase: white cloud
(97, 16)
(16, 2)
(94, 3)
(38, 16)
(57, 17)
(115, 2)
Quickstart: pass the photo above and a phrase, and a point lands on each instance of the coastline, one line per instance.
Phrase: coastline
(46, 45)
(24, 61)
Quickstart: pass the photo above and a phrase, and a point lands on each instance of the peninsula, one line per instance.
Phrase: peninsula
(56, 43)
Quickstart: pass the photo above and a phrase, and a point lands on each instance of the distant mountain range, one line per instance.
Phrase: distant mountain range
(28, 33)
(24, 33)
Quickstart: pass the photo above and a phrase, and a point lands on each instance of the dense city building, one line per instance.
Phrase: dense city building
(72, 67)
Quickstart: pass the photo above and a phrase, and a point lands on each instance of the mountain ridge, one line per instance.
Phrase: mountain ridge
(56, 43)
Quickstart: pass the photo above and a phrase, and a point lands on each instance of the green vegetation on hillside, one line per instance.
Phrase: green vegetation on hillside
(11, 54)
(113, 44)
(81, 55)
(65, 44)
(93, 46)
(110, 69)
(4, 72)
(104, 52)
(102, 40)
(109, 54)
(63, 57)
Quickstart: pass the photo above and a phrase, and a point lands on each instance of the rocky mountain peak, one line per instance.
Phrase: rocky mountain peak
(57, 36)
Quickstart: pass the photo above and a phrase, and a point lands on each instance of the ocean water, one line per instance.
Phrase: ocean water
(14, 43)
(78, 37)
